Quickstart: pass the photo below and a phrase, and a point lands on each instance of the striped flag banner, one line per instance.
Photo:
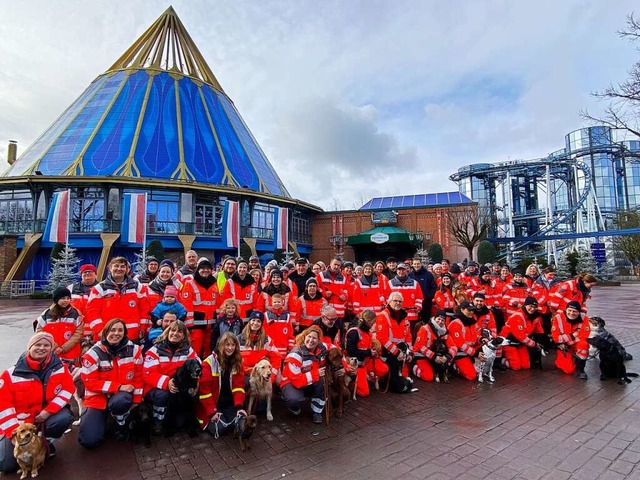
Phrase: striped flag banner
(230, 223)
(282, 228)
(57, 227)
(134, 218)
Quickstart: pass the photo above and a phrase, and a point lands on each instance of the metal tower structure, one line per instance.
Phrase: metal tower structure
(569, 196)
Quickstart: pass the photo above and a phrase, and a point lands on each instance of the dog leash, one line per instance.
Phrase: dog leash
(224, 424)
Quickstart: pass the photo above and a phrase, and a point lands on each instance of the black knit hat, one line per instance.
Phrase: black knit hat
(59, 293)
(168, 263)
(455, 268)
(530, 301)
(484, 269)
(575, 305)
(311, 280)
(204, 262)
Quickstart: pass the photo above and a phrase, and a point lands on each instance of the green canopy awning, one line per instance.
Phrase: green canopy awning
(380, 235)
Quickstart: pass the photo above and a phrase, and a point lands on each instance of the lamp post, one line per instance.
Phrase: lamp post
(337, 241)
(420, 238)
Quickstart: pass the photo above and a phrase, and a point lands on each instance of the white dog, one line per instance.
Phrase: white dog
(484, 368)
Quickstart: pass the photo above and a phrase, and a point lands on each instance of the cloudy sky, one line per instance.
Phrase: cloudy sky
(349, 99)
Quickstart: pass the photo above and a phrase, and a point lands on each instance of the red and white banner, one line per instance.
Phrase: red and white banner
(281, 225)
(231, 223)
(57, 228)
(134, 218)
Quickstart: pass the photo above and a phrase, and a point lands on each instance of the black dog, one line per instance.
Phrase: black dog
(612, 354)
(441, 369)
(140, 424)
(182, 405)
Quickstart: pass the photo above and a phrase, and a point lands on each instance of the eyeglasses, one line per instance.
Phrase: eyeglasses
(396, 301)
(331, 319)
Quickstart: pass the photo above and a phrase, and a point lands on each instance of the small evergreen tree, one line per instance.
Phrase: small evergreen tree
(486, 252)
(586, 264)
(564, 270)
(64, 269)
(139, 266)
(156, 249)
(435, 252)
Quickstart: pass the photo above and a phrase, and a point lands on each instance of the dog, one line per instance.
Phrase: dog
(352, 362)
(261, 387)
(441, 370)
(338, 386)
(140, 424)
(611, 353)
(484, 368)
(184, 402)
(244, 430)
(29, 449)
(376, 346)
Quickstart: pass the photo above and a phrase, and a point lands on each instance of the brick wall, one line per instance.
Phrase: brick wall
(429, 220)
(8, 254)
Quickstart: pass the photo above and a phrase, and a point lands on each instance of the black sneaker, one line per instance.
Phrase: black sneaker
(294, 411)
(122, 435)
(52, 450)
(317, 418)
(582, 376)
(156, 430)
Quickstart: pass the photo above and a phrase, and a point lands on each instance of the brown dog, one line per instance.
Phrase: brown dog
(29, 449)
(260, 383)
(338, 385)
(246, 426)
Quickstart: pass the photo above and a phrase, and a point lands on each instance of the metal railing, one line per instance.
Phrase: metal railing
(17, 288)
(255, 232)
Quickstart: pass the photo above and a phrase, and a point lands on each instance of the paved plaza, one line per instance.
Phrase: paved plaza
(530, 425)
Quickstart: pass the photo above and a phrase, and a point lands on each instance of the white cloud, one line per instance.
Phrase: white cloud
(346, 98)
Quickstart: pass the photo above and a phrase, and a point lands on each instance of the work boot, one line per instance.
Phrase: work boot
(317, 418)
(580, 364)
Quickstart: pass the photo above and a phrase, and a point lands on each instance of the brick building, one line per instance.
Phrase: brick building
(387, 226)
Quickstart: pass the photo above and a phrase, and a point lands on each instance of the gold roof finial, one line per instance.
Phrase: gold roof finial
(166, 45)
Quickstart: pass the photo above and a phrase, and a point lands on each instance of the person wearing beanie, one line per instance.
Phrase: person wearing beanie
(65, 324)
(201, 298)
(164, 279)
(483, 283)
(484, 315)
(276, 285)
(432, 356)
(570, 330)
(229, 267)
(150, 272)
(118, 296)
(309, 305)
(369, 292)
(243, 288)
(514, 294)
(301, 274)
(359, 344)
(169, 303)
(520, 330)
(464, 341)
(577, 289)
(113, 378)
(37, 389)
(81, 290)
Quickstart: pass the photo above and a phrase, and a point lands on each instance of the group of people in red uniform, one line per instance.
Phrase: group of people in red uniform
(395, 319)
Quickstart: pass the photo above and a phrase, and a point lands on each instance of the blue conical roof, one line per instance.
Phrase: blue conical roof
(158, 112)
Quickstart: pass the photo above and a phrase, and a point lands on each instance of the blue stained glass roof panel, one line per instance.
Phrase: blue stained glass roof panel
(386, 202)
(205, 163)
(157, 153)
(443, 199)
(71, 142)
(235, 156)
(112, 142)
(40, 146)
(407, 201)
(262, 166)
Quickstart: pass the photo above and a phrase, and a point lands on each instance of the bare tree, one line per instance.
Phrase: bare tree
(623, 110)
(359, 202)
(335, 204)
(629, 245)
(469, 226)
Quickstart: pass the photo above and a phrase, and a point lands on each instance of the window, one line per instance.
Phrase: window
(87, 210)
(300, 228)
(16, 211)
(262, 221)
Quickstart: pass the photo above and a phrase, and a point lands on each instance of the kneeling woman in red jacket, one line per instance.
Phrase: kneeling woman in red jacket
(303, 374)
(112, 377)
(37, 389)
(222, 394)
(161, 362)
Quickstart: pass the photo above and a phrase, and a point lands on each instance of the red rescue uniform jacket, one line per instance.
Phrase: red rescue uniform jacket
(308, 309)
(201, 302)
(210, 385)
(67, 331)
(301, 367)
(161, 363)
(278, 326)
(392, 331)
(563, 331)
(23, 395)
(411, 294)
(463, 339)
(104, 372)
(127, 301)
(251, 355)
(566, 292)
(244, 290)
(333, 287)
(370, 294)
(519, 327)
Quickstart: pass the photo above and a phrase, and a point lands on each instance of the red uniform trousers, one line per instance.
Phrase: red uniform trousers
(516, 357)
(373, 368)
